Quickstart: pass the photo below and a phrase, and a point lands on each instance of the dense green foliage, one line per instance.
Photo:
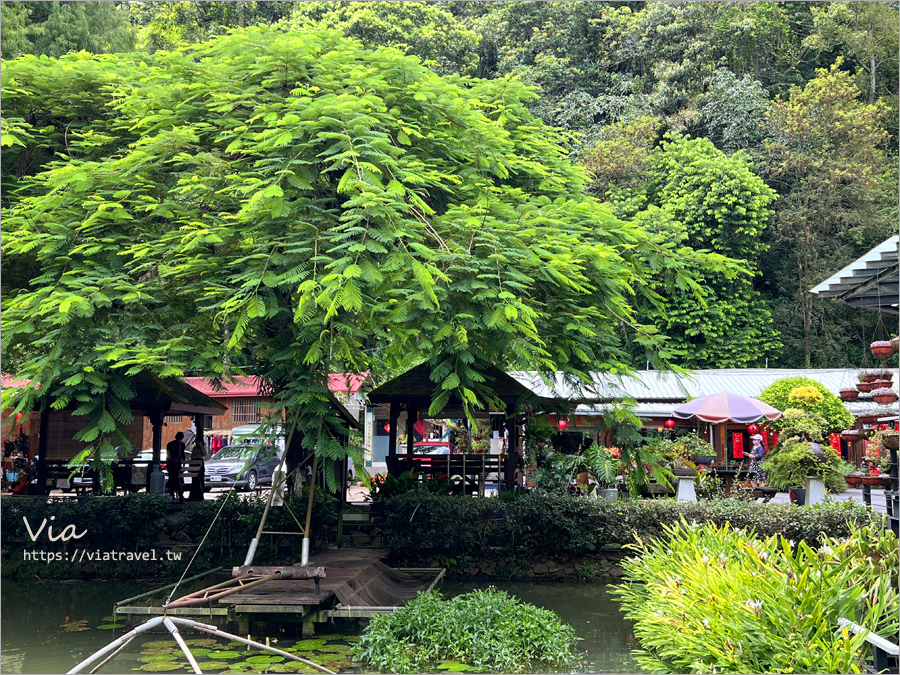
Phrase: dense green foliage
(832, 410)
(715, 599)
(291, 204)
(808, 91)
(487, 629)
(139, 523)
(55, 28)
(420, 527)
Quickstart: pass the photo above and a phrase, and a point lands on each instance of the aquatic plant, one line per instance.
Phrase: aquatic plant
(501, 635)
(307, 646)
(713, 597)
(163, 666)
(227, 654)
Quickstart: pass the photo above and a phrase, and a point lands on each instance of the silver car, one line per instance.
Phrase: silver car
(243, 466)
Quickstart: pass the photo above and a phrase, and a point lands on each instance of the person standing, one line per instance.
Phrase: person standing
(174, 460)
(757, 452)
(198, 470)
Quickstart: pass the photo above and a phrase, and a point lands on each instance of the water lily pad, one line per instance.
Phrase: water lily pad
(110, 626)
(265, 658)
(158, 644)
(113, 619)
(203, 642)
(162, 666)
(337, 649)
(224, 655)
(329, 638)
(353, 638)
(75, 626)
(151, 658)
(453, 666)
(295, 667)
(307, 646)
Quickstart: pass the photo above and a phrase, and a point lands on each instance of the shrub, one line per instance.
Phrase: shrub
(831, 408)
(420, 526)
(487, 629)
(714, 599)
(791, 461)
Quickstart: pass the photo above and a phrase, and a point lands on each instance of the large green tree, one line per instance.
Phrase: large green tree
(694, 194)
(827, 159)
(55, 28)
(309, 205)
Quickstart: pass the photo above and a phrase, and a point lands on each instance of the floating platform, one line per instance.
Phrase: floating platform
(356, 585)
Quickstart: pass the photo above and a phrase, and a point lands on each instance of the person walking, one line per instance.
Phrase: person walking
(174, 459)
(757, 452)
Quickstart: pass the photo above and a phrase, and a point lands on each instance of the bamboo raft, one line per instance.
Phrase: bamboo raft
(354, 584)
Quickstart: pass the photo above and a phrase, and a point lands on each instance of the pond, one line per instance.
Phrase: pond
(50, 627)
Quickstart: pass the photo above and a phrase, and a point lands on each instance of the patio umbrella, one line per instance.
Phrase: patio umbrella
(719, 408)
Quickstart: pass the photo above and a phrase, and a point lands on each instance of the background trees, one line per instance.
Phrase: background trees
(807, 91)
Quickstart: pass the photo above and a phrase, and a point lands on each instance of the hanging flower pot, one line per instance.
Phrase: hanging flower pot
(872, 480)
(882, 348)
(882, 384)
(867, 376)
(849, 394)
(891, 442)
(853, 481)
(895, 343)
(867, 418)
(884, 395)
(850, 435)
(881, 374)
(865, 387)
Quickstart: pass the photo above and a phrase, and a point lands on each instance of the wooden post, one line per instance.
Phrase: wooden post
(43, 440)
(394, 413)
(412, 416)
(156, 422)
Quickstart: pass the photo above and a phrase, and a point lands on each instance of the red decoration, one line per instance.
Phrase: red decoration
(753, 429)
(882, 348)
(737, 444)
(669, 424)
(562, 424)
(387, 427)
(18, 416)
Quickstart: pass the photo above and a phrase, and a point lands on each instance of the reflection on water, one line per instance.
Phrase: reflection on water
(34, 640)
(588, 608)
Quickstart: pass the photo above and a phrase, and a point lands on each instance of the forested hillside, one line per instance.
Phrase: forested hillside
(765, 131)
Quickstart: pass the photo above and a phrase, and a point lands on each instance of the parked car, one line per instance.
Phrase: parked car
(433, 448)
(243, 466)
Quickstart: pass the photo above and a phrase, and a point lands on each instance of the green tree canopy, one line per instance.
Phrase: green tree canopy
(55, 28)
(830, 408)
(308, 205)
(424, 29)
(696, 195)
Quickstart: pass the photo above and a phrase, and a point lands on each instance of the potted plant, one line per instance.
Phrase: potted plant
(850, 435)
(866, 387)
(884, 395)
(848, 394)
(855, 479)
(798, 459)
(882, 348)
(867, 375)
(868, 417)
(602, 464)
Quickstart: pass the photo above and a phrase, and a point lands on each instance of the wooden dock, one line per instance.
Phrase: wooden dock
(356, 585)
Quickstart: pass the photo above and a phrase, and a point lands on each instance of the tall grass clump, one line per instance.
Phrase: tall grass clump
(484, 629)
(710, 598)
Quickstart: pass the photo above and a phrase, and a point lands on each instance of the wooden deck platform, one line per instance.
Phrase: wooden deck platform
(356, 584)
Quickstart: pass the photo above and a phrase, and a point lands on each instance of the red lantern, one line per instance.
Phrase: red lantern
(387, 428)
(669, 424)
(753, 429)
(562, 424)
(18, 416)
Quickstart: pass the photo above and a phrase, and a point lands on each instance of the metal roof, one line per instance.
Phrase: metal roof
(658, 393)
(649, 386)
(872, 281)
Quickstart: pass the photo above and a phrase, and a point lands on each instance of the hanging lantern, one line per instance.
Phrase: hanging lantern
(562, 424)
(387, 427)
(753, 429)
(669, 424)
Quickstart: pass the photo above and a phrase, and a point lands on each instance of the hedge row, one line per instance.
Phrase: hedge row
(420, 526)
(141, 523)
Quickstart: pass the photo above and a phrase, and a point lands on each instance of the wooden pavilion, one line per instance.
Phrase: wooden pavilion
(413, 392)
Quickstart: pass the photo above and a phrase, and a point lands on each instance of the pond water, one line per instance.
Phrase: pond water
(41, 624)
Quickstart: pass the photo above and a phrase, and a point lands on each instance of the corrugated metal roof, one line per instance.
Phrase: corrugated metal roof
(665, 386)
(871, 281)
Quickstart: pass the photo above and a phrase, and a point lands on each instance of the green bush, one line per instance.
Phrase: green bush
(791, 461)
(420, 526)
(487, 629)
(831, 408)
(713, 599)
